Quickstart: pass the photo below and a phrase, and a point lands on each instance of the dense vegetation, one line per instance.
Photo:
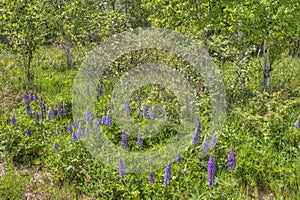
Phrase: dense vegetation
(255, 44)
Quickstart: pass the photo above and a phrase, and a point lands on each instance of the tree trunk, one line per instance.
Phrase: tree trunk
(267, 65)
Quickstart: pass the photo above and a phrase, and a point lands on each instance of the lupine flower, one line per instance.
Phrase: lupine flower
(204, 146)
(31, 97)
(36, 119)
(27, 105)
(298, 124)
(55, 146)
(124, 140)
(65, 110)
(104, 120)
(178, 158)
(145, 110)
(70, 127)
(13, 120)
(27, 132)
(195, 137)
(151, 114)
(74, 138)
(25, 97)
(127, 108)
(122, 169)
(88, 116)
(59, 111)
(43, 111)
(167, 175)
(140, 140)
(35, 97)
(75, 125)
(211, 171)
(97, 125)
(79, 133)
(57, 132)
(87, 131)
(88, 90)
(51, 113)
(99, 93)
(108, 123)
(214, 141)
(151, 177)
(41, 102)
(198, 126)
(231, 159)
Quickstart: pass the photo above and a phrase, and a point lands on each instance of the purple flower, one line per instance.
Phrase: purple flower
(88, 90)
(198, 126)
(79, 133)
(43, 111)
(65, 110)
(214, 141)
(55, 146)
(31, 97)
(27, 132)
(127, 108)
(204, 146)
(104, 120)
(151, 177)
(145, 110)
(124, 140)
(88, 116)
(27, 105)
(87, 131)
(122, 170)
(140, 140)
(298, 124)
(36, 119)
(25, 97)
(59, 111)
(231, 159)
(99, 93)
(211, 171)
(13, 120)
(57, 132)
(35, 97)
(178, 158)
(51, 113)
(70, 129)
(151, 114)
(97, 125)
(41, 102)
(75, 125)
(195, 137)
(167, 175)
(108, 123)
(74, 138)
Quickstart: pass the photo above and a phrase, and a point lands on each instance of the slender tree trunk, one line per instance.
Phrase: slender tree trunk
(267, 65)
(205, 33)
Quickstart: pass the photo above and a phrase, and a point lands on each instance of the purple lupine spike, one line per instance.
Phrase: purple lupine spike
(13, 120)
(140, 140)
(74, 137)
(151, 114)
(195, 137)
(51, 113)
(31, 96)
(75, 124)
(65, 111)
(36, 119)
(79, 132)
(55, 146)
(211, 171)
(231, 159)
(88, 116)
(145, 110)
(198, 126)
(214, 141)
(298, 124)
(122, 170)
(35, 97)
(167, 175)
(124, 140)
(104, 120)
(127, 108)
(204, 146)
(57, 132)
(25, 96)
(178, 158)
(59, 111)
(41, 102)
(70, 129)
(43, 111)
(108, 122)
(27, 132)
(97, 125)
(27, 106)
(88, 90)
(151, 177)
(87, 131)
(99, 93)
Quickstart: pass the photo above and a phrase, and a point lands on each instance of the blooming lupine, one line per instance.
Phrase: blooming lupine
(59, 111)
(41, 102)
(211, 171)
(74, 138)
(298, 124)
(31, 97)
(151, 177)
(70, 129)
(35, 97)
(57, 132)
(231, 159)
(13, 120)
(145, 110)
(124, 140)
(108, 123)
(75, 125)
(167, 175)
(65, 111)
(178, 158)
(27, 132)
(122, 170)
(25, 96)
(51, 113)
(55, 146)
(79, 132)
(43, 111)
(127, 108)
(151, 114)
(88, 116)
(214, 141)
(27, 106)
(99, 93)
(140, 140)
(198, 126)
(36, 119)
(204, 146)
(195, 137)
